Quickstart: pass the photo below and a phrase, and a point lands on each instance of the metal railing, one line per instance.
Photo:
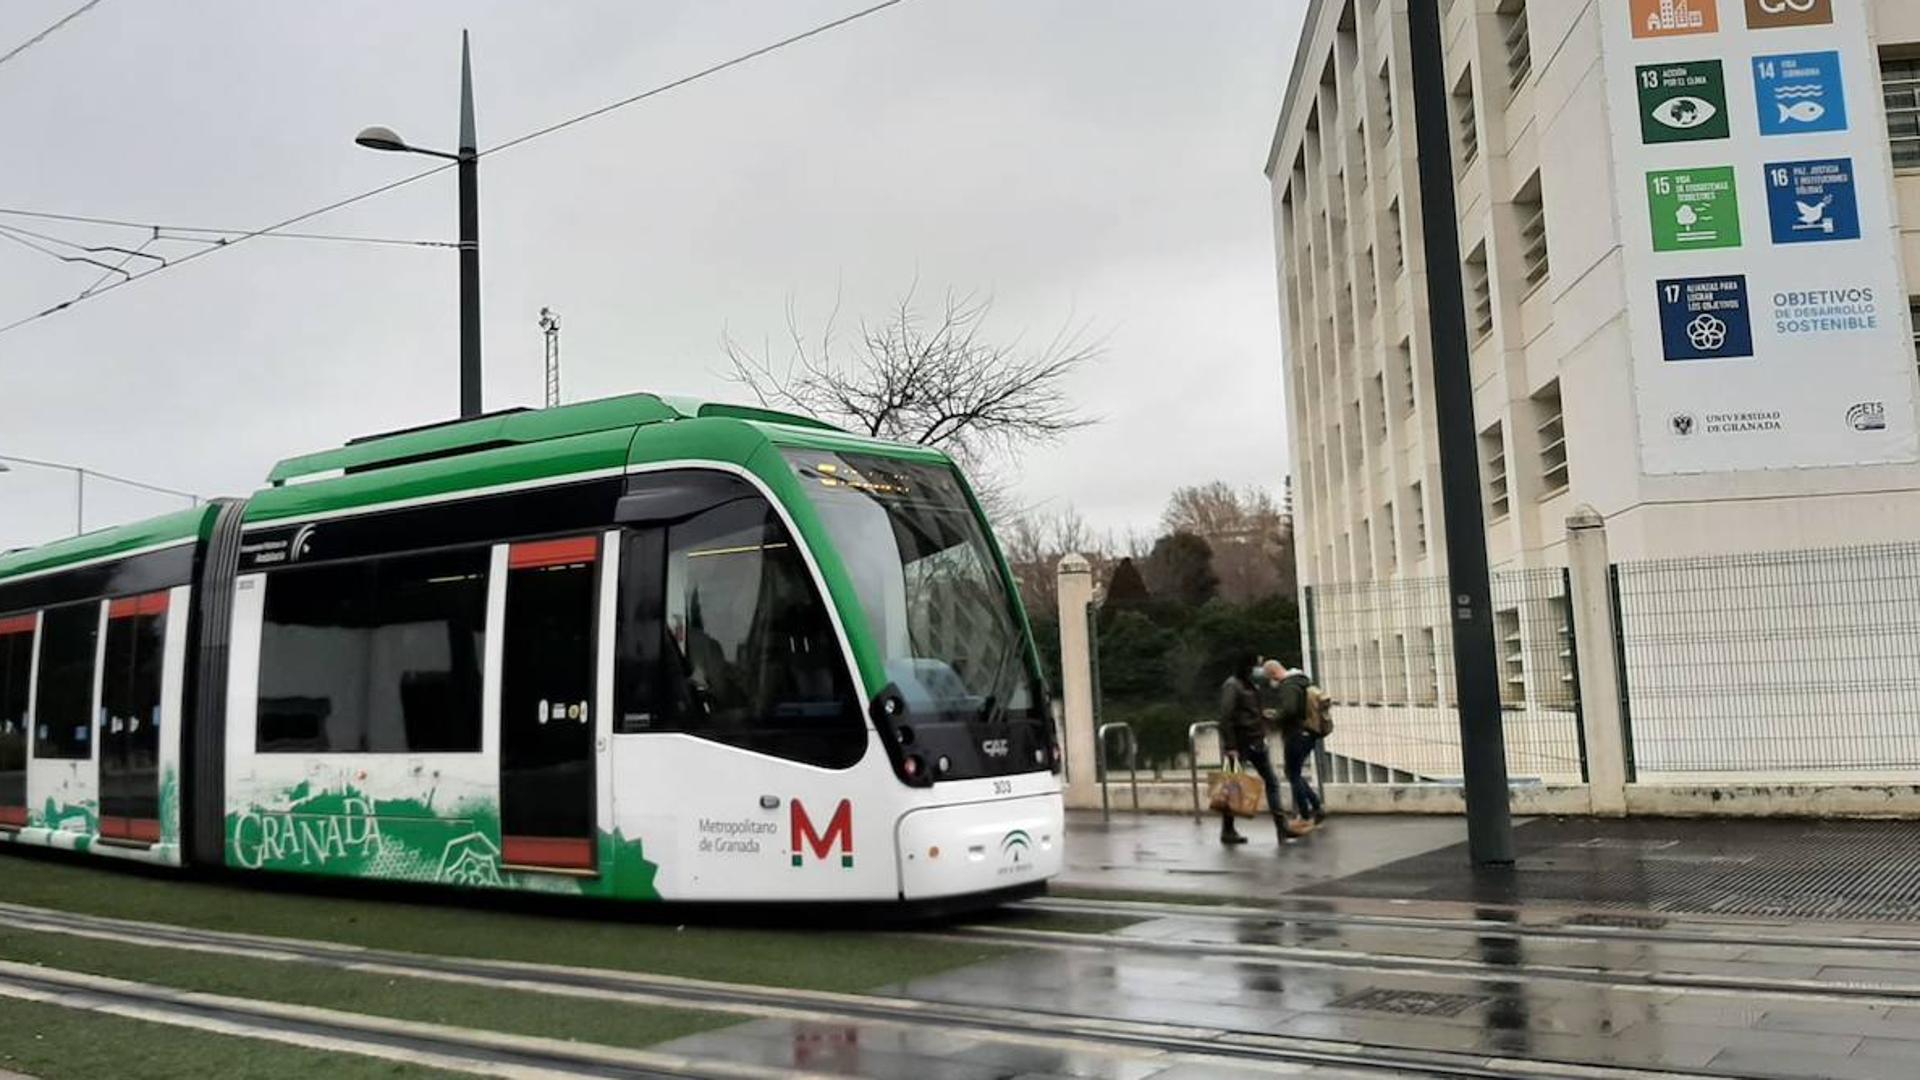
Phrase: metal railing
(1193, 759)
(1133, 764)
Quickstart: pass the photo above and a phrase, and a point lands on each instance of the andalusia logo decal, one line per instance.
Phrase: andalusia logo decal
(1016, 846)
(839, 834)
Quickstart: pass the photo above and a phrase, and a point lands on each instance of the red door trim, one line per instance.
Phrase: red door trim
(539, 553)
(13, 817)
(556, 852)
(18, 624)
(128, 607)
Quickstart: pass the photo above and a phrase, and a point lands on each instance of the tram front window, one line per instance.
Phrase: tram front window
(937, 607)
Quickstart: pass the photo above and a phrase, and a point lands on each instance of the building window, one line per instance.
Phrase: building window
(1531, 211)
(1424, 670)
(1519, 46)
(1378, 402)
(1479, 294)
(1900, 79)
(1392, 524)
(1417, 501)
(1396, 670)
(1386, 102)
(1551, 428)
(1493, 466)
(1913, 321)
(1405, 354)
(1513, 656)
(379, 656)
(63, 709)
(1396, 243)
(1465, 121)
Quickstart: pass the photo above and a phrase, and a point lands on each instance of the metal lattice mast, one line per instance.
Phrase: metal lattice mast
(550, 325)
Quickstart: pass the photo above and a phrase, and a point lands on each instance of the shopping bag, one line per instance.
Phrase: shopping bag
(1236, 793)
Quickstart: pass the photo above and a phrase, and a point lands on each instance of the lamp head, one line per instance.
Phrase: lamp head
(381, 138)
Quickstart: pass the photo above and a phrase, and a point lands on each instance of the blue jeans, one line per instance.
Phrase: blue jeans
(1300, 747)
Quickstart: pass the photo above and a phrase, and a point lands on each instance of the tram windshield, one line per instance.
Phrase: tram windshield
(937, 605)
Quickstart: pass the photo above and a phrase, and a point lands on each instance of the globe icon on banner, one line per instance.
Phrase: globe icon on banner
(1707, 333)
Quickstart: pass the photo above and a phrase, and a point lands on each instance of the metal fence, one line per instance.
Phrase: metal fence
(1384, 650)
(1780, 666)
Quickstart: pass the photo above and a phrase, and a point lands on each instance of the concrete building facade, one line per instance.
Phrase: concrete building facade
(1547, 274)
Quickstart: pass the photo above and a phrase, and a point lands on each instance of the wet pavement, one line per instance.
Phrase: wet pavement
(1382, 942)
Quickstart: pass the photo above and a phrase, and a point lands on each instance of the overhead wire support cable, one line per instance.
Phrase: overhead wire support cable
(277, 227)
(44, 34)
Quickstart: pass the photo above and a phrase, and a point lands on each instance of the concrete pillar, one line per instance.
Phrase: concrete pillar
(1076, 679)
(1592, 602)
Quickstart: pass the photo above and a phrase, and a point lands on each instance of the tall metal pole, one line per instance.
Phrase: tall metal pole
(79, 502)
(469, 167)
(1476, 668)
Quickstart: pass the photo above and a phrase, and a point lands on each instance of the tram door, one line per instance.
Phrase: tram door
(129, 741)
(546, 707)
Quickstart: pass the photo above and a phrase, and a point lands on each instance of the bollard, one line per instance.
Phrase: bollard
(1193, 759)
(1133, 766)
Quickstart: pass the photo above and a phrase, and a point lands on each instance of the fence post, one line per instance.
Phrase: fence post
(1076, 679)
(1591, 598)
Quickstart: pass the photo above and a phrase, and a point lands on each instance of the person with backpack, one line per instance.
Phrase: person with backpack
(1300, 712)
(1243, 735)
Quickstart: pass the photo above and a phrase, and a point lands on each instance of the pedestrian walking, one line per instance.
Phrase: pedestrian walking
(1243, 733)
(1293, 707)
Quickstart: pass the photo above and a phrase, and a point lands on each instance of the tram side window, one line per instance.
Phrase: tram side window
(726, 638)
(63, 715)
(16, 676)
(380, 656)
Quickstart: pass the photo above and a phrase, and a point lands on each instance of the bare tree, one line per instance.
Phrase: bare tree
(1251, 537)
(935, 381)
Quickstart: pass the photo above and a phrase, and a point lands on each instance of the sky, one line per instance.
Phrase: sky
(1082, 162)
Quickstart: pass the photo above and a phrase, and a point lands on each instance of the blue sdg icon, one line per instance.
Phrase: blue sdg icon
(1705, 318)
(1800, 93)
(1812, 202)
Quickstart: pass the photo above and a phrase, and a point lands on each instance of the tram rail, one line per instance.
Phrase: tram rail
(1687, 928)
(1066, 1031)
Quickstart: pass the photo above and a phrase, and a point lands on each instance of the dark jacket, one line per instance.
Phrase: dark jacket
(1288, 699)
(1240, 721)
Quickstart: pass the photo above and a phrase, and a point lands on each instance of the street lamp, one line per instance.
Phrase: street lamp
(80, 485)
(468, 157)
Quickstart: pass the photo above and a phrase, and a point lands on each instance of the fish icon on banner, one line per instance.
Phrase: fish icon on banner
(1800, 93)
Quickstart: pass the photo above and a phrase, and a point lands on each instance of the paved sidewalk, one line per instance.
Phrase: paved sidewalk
(1854, 871)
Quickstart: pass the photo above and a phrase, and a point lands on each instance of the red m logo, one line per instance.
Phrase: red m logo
(839, 833)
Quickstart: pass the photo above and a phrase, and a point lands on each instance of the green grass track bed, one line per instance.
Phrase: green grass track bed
(55, 1043)
(574, 934)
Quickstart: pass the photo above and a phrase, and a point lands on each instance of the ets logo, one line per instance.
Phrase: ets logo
(839, 835)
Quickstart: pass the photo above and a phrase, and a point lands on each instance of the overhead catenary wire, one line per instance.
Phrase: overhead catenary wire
(404, 181)
(48, 32)
(220, 233)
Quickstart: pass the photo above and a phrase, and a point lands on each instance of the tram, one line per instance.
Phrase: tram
(640, 648)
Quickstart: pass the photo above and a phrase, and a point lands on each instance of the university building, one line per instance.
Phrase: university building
(1688, 229)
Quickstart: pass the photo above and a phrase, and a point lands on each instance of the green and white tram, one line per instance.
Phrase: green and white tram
(638, 648)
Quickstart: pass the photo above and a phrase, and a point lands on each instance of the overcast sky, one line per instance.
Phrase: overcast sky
(1091, 161)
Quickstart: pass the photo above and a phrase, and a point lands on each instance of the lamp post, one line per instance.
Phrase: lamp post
(80, 485)
(468, 159)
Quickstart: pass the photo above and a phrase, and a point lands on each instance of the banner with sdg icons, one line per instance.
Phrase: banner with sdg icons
(1756, 346)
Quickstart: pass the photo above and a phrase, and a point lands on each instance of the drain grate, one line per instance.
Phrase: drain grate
(1410, 1002)
(1619, 922)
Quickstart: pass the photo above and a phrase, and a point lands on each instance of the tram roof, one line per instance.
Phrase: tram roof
(146, 535)
(521, 445)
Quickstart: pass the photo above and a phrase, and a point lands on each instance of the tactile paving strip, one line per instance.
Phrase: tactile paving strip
(1779, 869)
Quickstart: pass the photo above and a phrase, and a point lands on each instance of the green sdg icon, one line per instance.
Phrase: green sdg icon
(1682, 102)
(1694, 209)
